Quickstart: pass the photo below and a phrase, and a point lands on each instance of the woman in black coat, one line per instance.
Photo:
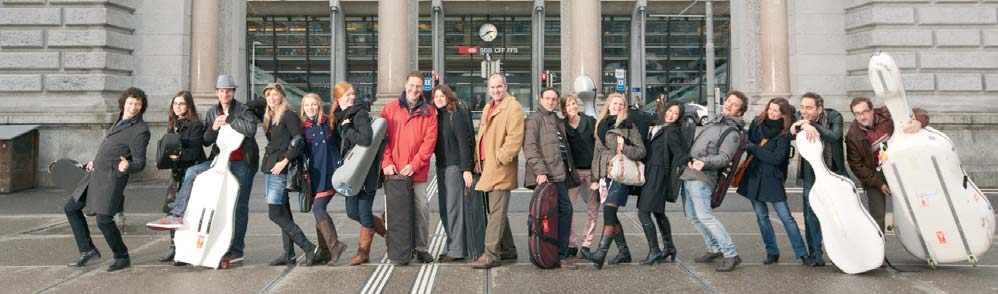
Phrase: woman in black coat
(185, 126)
(763, 180)
(284, 144)
(121, 153)
(455, 144)
(668, 152)
(354, 119)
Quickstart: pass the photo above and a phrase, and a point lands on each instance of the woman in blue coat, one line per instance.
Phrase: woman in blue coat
(323, 153)
(769, 146)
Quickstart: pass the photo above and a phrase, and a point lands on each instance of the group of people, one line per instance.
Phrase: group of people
(561, 145)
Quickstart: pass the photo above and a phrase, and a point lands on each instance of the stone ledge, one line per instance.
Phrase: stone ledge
(957, 15)
(89, 38)
(86, 82)
(990, 38)
(21, 83)
(959, 82)
(879, 15)
(128, 5)
(861, 61)
(97, 60)
(889, 38)
(958, 37)
(30, 16)
(64, 119)
(959, 60)
(991, 82)
(76, 16)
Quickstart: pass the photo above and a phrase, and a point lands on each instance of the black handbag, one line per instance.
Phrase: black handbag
(297, 169)
(306, 196)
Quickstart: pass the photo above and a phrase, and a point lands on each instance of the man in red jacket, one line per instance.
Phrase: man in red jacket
(411, 137)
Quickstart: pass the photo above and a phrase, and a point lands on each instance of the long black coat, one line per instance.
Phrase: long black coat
(668, 153)
(359, 132)
(104, 187)
(765, 175)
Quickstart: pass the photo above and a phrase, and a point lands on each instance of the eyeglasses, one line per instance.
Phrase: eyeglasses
(864, 112)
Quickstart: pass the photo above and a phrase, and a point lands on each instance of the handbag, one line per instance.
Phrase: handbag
(306, 196)
(626, 171)
(737, 179)
(297, 169)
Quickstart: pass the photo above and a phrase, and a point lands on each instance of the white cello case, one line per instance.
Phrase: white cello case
(209, 220)
(939, 214)
(348, 179)
(852, 238)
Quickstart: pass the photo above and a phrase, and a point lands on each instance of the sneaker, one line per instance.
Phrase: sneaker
(232, 258)
(169, 222)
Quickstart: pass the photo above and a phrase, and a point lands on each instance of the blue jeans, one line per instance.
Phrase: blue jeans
(789, 224)
(696, 202)
(564, 218)
(276, 191)
(359, 208)
(244, 174)
(812, 227)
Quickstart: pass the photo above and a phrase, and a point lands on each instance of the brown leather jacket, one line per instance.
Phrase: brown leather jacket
(542, 151)
(862, 161)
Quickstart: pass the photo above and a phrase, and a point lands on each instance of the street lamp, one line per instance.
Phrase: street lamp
(253, 70)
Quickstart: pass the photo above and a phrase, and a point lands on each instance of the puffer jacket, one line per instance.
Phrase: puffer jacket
(544, 133)
(715, 154)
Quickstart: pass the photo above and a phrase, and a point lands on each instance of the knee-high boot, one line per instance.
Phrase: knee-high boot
(598, 256)
(654, 253)
(623, 253)
(670, 248)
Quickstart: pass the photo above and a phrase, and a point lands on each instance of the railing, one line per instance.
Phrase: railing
(262, 78)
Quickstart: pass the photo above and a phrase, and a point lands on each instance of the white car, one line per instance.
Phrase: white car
(700, 113)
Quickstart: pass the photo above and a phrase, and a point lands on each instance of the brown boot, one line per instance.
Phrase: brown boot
(327, 235)
(364, 249)
(379, 227)
(323, 256)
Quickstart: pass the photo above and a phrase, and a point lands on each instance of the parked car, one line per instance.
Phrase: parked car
(697, 112)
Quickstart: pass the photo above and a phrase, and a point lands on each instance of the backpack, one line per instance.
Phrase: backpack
(725, 174)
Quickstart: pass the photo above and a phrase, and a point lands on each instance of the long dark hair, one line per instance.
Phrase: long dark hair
(785, 109)
(661, 107)
(192, 111)
(451, 99)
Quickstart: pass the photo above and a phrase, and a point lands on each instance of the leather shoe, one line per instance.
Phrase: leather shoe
(424, 257)
(808, 261)
(728, 263)
(446, 258)
(120, 264)
(708, 257)
(818, 260)
(771, 259)
(508, 256)
(86, 257)
(484, 262)
(573, 251)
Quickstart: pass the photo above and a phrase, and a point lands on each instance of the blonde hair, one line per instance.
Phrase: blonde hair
(606, 109)
(273, 117)
(319, 115)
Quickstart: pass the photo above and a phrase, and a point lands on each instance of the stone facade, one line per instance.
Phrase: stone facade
(63, 64)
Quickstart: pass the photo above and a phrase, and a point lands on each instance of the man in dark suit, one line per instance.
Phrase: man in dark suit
(121, 153)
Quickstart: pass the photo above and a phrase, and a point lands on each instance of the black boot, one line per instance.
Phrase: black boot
(288, 258)
(168, 257)
(623, 253)
(654, 253)
(666, 229)
(599, 255)
(311, 251)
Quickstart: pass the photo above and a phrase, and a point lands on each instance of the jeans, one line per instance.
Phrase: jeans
(812, 228)
(81, 232)
(696, 202)
(276, 191)
(789, 224)
(244, 174)
(359, 208)
(564, 218)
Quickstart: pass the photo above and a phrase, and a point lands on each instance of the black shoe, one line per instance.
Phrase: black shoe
(583, 251)
(573, 251)
(808, 261)
(669, 255)
(168, 257)
(771, 259)
(180, 263)
(120, 264)
(818, 260)
(283, 260)
(729, 263)
(424, 257)
(708, 257)
(311, 256)
(623, 253)
(654, 257)
(86, 257)
(508, 256)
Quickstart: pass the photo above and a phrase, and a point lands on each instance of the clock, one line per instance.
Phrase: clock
(488, 32)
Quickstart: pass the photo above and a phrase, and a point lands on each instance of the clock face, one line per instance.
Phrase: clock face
(488, 32)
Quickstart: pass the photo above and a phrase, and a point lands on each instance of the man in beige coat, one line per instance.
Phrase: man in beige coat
(500, 136)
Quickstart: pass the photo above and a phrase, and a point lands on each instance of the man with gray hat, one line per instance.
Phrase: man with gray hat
(243, 163)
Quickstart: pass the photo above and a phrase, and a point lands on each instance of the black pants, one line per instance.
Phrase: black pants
(81, 232)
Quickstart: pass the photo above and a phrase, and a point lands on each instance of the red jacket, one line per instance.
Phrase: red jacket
(411, 137)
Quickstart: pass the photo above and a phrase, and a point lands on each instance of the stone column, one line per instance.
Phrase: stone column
(393, 51)
(775, 52)
(586, 42)
(204, 49)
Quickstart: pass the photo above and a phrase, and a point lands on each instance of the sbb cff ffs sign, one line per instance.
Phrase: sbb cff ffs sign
(467, 50)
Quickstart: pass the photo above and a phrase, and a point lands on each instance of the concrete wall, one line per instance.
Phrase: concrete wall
(63, 64)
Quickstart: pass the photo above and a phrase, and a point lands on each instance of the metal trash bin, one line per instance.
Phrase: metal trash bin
(18, 157)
